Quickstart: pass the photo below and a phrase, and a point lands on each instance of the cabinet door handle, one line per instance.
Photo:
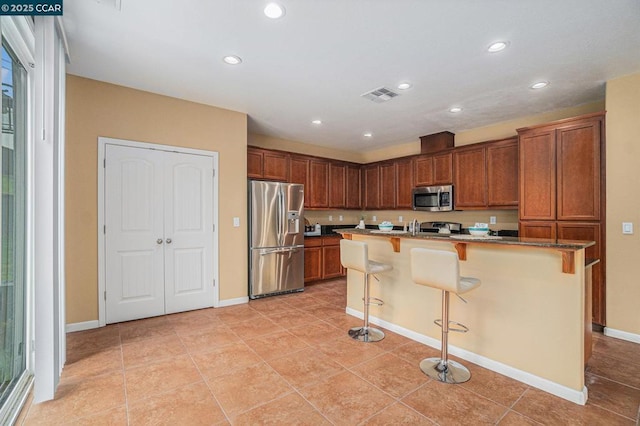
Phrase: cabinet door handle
(168, 240)
(159, 241)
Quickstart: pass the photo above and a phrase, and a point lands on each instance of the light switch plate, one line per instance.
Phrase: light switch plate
(330, 218)
(492, 220)
(374, 218)
(340, 218)
(627, 227)
(236, 222)
(400, 219)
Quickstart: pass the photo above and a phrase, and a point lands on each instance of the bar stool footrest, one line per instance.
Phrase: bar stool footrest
(376, 301)
(458, 328)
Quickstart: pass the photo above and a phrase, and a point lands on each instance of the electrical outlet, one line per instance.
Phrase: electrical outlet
(374, 218)
(340, 218)
(492, 220)
(627, 227)
(330, 218)
(400, 219)
(236, 222)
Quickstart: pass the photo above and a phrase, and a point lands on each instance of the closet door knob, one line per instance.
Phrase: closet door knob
(168, 240)
(159, 241)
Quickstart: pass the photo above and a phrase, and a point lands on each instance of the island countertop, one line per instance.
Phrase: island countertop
(471, 239)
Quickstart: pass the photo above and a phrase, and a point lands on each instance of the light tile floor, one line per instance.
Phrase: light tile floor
(288, 360)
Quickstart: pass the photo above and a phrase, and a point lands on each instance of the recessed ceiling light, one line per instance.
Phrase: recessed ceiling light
(316, 122)
(232, 60)
(497, 46)
(539, 85)
(367, 134)
(274, 11)
(404, 86)
(455, 109)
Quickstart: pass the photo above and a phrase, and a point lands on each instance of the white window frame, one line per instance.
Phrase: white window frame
(19, 33)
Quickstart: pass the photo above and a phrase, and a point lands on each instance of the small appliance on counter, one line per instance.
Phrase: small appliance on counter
(312, 230)
(441, 227)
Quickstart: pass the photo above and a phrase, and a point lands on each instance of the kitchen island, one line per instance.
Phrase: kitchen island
(529, 320)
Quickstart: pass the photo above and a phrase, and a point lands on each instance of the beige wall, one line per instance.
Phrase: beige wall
(269, 142)
(98, 109)
(623, 203)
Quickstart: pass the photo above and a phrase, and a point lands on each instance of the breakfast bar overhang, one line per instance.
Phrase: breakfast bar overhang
(529, 320)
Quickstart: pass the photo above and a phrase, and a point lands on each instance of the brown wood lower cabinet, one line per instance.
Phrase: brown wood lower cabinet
(312, 259)
(322, 258)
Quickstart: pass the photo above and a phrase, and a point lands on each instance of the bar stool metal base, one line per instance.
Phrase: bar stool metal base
(453, 372)
(366, 334)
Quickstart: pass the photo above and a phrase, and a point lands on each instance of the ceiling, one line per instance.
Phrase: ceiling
(317, 60)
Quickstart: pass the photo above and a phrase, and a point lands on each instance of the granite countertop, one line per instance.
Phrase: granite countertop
(470, 239)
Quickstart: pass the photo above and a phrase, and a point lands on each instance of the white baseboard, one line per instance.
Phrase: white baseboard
(88, 325)
(578, 397)
(624, 335)
(231, 302)
(80, 326)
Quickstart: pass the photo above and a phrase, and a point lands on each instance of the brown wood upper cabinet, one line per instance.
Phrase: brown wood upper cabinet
(486, 175)
(404, 183)
(371, 186)
(337, 185)
(560, 170)
(353, 187)
(388, 185)
(470, 177)
(318, 192)
(433, 169)
(502, 173)
(267, 164)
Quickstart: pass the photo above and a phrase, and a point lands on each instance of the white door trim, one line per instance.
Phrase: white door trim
(102, 143)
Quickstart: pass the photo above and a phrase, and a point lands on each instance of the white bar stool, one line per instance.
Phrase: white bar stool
(355, 255)
(441, 269)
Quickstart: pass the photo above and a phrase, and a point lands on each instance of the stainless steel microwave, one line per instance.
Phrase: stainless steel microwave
(433, 198)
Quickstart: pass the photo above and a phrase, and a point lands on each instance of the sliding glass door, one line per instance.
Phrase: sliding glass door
(12, 223)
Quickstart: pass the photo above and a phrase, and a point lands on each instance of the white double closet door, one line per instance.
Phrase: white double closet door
(159, 232)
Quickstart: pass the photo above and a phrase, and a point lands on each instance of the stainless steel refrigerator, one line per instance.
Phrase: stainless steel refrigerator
(276, 238)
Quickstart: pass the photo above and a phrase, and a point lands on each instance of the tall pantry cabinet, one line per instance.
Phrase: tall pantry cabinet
(562, 189)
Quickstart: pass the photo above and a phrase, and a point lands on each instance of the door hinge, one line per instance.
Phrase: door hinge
(105, 296)
(104, 163)
(214, 172)
(213, 227)
(214, 282)
(20, 345)
(104, 229)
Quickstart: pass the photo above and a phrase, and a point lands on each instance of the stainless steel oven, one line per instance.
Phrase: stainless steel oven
(433, 198)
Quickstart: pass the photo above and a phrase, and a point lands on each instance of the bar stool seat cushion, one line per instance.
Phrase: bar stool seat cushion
(440, 269)
(355, 255)
(377, 267)
(467, 284)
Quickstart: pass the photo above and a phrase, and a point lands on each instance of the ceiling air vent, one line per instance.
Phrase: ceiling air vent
(381, 94)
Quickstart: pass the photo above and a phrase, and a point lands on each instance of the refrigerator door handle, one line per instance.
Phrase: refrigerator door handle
(282, 221)
(279, 251)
